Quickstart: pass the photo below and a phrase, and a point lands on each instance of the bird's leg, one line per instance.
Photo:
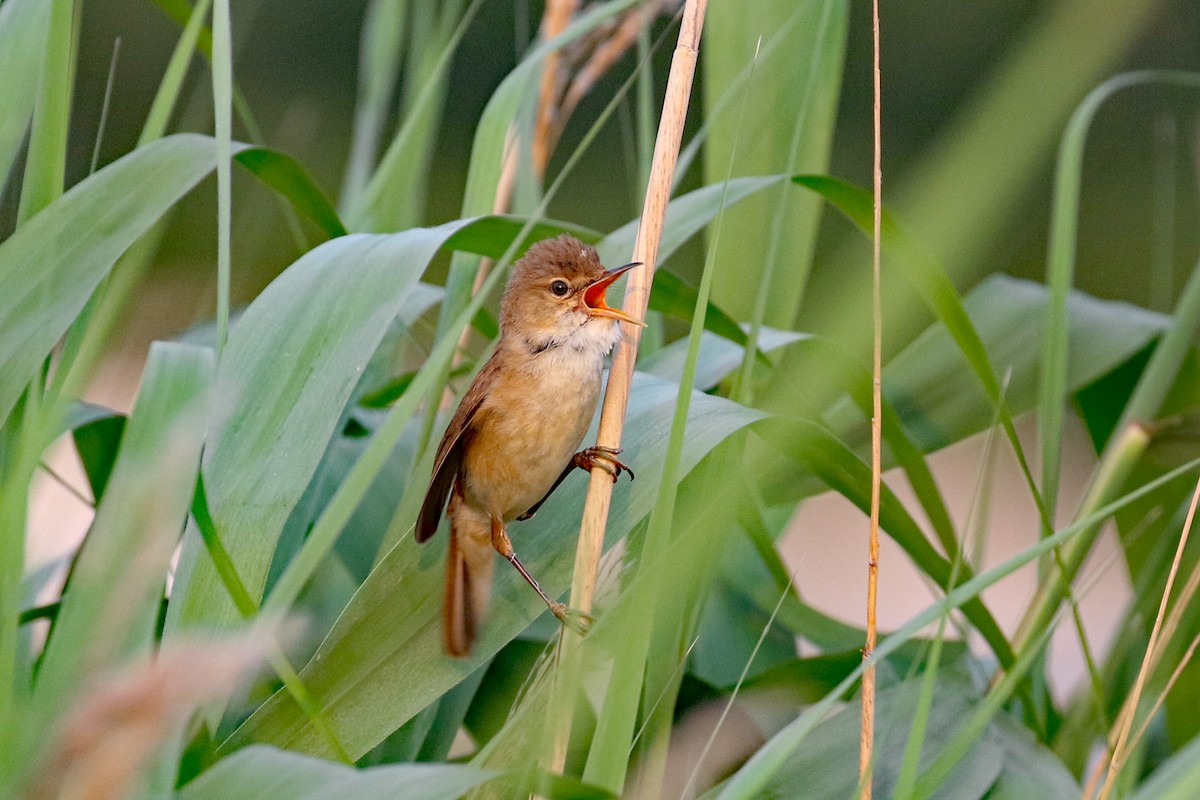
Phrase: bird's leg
(573, 619)
(603, 457)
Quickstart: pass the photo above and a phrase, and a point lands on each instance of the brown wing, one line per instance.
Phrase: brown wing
(449, 454)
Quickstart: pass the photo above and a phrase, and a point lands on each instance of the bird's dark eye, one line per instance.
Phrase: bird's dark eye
(560, 288)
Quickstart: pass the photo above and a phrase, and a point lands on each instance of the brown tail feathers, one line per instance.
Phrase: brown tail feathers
(468, 576)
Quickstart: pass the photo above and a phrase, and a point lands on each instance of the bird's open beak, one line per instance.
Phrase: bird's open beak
(593, 295)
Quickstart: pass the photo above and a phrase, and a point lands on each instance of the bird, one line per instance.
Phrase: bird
(515, 434)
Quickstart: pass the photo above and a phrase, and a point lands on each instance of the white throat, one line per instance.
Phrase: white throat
(578, 353)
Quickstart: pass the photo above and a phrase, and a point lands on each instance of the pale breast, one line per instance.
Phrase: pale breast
(531, 424)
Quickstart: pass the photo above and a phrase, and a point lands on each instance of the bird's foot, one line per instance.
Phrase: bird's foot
(605, 458)
(573, 618)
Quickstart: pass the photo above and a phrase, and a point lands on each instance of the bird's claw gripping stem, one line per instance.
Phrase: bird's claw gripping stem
(605, 458)
(572, 618)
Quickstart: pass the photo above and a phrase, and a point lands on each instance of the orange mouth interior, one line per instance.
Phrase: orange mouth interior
(593, 295)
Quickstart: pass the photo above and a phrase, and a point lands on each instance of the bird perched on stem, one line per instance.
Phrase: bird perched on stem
(514, 437)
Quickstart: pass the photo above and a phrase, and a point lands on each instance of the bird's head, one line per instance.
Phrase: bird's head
(556, 295)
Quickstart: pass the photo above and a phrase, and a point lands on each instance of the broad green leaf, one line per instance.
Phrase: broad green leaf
(97, 440)
(1029, 770)
(941, 403)
(291, 364)
(801, 619)
(80, 414)
(53, 262)
(359, 542)
(22, 39)
(383, 662)
(430, 734)
(261, 772)
(508, 671)
(672, 296)
(1176, 779)
(766, 245)
(451, 709)
(112, 602)
(732, 623)
(292, 181)
(821, 771)
(719, 356)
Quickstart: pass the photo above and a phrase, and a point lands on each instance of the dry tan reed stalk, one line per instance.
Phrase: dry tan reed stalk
(569, 75)
(555, 18)
(1162, 696)
(620, 376)
(637, 298)
(604, 55)
(867, 736)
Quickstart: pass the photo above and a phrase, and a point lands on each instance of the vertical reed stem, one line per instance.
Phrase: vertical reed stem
(867, 739)
(637, 298)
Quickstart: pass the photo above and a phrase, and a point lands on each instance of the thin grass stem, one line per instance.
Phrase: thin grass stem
(104, 105)
(1162, 237)
(222, 81)
(1116, 761)
(733, 695)
(64, 483)
(867, 736)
